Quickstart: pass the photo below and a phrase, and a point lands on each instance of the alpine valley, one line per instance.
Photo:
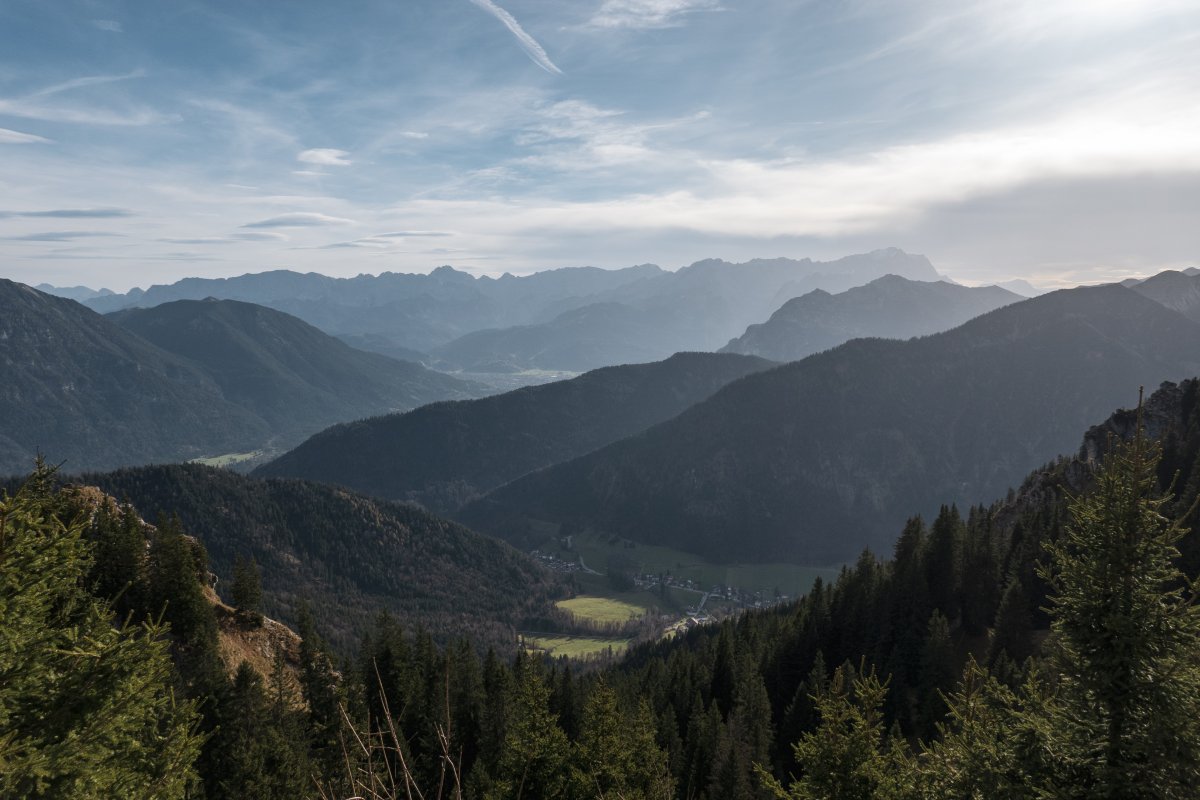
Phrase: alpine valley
(726, 532)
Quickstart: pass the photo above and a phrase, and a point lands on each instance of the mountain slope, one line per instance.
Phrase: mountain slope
(295, 377)
(83, 390)
(1178, 291)
(444, 454)
(815, 459)
(594, 336)
(348, 556)
(890, 307)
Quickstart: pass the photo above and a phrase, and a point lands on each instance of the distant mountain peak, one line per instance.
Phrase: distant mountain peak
(890, 306)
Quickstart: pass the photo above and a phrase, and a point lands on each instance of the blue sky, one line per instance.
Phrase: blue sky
(141, 142)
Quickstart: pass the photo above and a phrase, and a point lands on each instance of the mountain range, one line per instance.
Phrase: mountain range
(567, 319)
(445, 454)
(891, 307)
(813, 460)
(181, 381)
(699, 307)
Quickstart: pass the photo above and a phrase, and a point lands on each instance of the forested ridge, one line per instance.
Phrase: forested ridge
(1043, 646)
(445, 454)
(347, 555)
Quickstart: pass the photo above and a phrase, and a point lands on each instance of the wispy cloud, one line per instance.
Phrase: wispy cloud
(16, 137)
(203, 240)
(414, 135)
(325, 156)
(647, 13)
(384, 241)
(60, 236)
(70, 213)
(31, 106)
(530, 45)
(84, 82)
(262, 236)
(299, 219)
(110, 25)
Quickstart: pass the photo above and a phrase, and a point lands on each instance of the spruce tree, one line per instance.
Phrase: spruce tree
(938, 673)
(246, 591)
(1125, 717)
(849, 756)
(534, 755)
(616, 755)
(87, 708)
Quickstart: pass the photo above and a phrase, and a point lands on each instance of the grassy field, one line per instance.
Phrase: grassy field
(228, 460)
(575, 646)
(602, 609)
(676, 600)
(789, 579)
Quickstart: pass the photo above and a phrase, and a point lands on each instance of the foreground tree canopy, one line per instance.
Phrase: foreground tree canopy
(87, 707)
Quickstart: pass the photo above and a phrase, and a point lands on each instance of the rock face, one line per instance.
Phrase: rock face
(890, 307)
(811, 461)
(1161, 414)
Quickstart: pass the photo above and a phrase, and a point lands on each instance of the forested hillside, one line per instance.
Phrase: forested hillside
(97, 396)
(445, 454)
(811, 461)
(296, 378)
(348, 556)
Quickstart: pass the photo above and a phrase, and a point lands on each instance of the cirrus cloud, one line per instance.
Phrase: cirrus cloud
(299, 219)
(647, 13)
(325, 156)
(16, 137)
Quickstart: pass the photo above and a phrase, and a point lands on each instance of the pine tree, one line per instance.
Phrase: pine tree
(318, 686)
(258, 755)
(943, 561)
(1014, 624)
(1125, 717)
(978, 750)
(937, 674)
(849, 756)
(616, 755)
(246, 591)
(534, 756)
(87, 709)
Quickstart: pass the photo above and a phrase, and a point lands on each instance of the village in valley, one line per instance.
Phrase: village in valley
(640, 593)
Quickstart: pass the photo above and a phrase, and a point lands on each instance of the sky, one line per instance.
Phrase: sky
(142, 142)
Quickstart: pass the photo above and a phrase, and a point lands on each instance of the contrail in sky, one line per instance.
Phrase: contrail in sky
(527, 42)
